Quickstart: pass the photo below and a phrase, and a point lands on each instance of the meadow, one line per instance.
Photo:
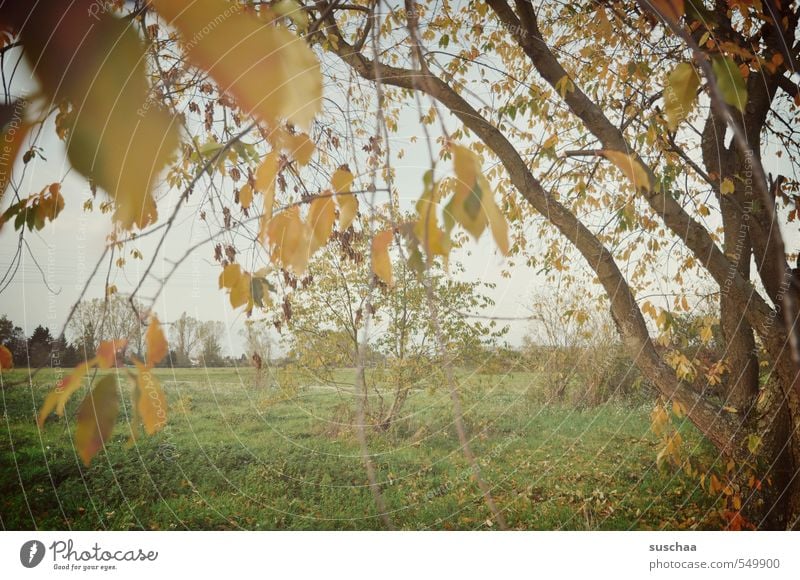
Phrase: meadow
(239, 456)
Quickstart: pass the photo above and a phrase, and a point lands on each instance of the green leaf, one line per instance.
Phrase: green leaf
(96, 417)
(730, 82)
(680, 93)
(753, 443)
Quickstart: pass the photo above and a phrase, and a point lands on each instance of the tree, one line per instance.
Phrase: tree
(13, 338)
(210, 351)
(114, 318)
(407, 336)
(603, 125)
(186, 337)
(586, 116)
(39, 346)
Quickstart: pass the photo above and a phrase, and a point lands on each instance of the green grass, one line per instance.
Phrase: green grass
(238, 457)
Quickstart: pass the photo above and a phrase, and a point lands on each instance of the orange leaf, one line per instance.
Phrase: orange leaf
(96, 417)
(157, 347)
(289, 239)
(107, 352)
(151, 403)
(6, 360)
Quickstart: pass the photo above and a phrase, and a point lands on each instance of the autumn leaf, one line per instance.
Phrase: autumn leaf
(6, 360)
(229, 276)
(680, 93)
(381, 263)
(117, 137)
(730, 82)
(157, 347)
(497, 221)
(240, 291)
(727, 187)
(472, 204)
(342, 182)
(321, 215)
(633, 170)
(151, 403)
(299, 146)
(271, 73)
(289, 238)
(265, 183)
(64, 389)
(246, 196)
(426, 229)
(107, 352)
(105, 358)
(238, 283)
(96, 417)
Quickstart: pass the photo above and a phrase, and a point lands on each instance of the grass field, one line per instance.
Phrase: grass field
(234, 456)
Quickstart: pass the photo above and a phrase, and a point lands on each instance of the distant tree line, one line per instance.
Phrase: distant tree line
(192, 342)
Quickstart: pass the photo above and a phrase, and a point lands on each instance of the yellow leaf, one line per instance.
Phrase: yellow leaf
(151, 403)
(467, 167)
(633, 170)
(381, 263)
(241, 291)
(271, 72)
(342, 182)
(565, 85)
(727, 187)
(238, 283)
(230, 276)
(472, 204)
(678, 409)
(466, 205)
(497, 221)
(157, 347)
(680, 93)
(265, 183)
(246, 196)
(321, 216)
(299, 146)
(433, 240)
(96, 417)
(288, 237)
